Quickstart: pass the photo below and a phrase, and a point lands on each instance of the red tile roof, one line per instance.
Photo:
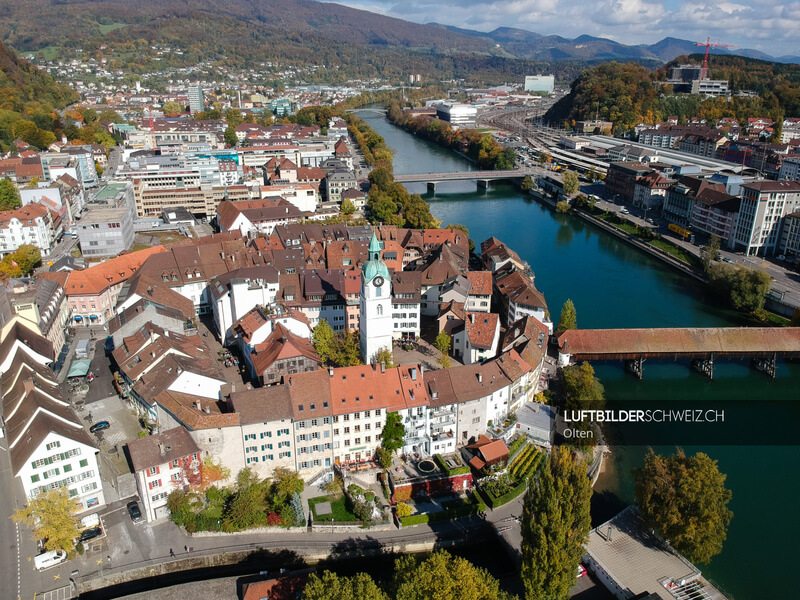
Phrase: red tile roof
(481, 282)
(98, 278)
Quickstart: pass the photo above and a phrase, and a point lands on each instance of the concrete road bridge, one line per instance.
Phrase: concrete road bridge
(482, 177)
(762, 345)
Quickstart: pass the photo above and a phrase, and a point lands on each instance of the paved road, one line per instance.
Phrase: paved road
(9, 549)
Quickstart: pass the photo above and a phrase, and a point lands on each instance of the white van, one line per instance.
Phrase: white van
(90, 521)
(49, 559)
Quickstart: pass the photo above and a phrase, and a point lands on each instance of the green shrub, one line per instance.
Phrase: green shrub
(414, 520)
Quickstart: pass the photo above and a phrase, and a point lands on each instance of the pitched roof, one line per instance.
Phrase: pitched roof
(262, 405)
(161, 448)
(98, 278)
(282, 344)
(481, 283)
(481, 328)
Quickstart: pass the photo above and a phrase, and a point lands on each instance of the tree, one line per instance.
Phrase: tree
(27, 257)
(394, 432)
(385, 356)
(570, 183)
(348, 208)
(348, 349)
(212, 472)
(527, 184)
(51, 517)
(403, 510)
(582, 389)
(324, 340)
(710, 252)
(444, 576)
(230, 136)
(9, 195)
(569, 318)
(330, 586)
(287, 483)
(172, 108)
(685, 500)
(744, 288)
(555, 526)
(562, 206)
(384, 457)
(443, 343)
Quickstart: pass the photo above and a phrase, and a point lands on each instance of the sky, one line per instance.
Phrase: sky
(770, 26)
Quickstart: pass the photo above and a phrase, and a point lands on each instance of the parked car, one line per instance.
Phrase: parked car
(135, 512)
(581, 570)
(781, 257)
(99, 426)
(624, 211)
(90, 534)
(727, 260)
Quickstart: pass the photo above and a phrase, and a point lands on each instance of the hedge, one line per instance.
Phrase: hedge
(508, 496)
(515, 445)
(414, 520)
(450, 472)
(468, 508)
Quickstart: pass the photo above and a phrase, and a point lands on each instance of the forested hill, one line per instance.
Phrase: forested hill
(24, 88)
(626, 94)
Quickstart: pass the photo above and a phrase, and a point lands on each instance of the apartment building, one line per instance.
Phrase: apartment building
(763, 208)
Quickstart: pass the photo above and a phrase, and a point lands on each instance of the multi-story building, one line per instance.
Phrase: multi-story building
(458, 115)
(622, 178)
(790, 237)
(28, 225)
(650, 190)
(337, 182)
(476, 340)
(715, 213)
(405, 305)
(196, 100)
(162, 463)
(48, 444)
(761, 214)
(267, 431)
(40, 304)
(790, 168)
(679, 202)
(106, 228)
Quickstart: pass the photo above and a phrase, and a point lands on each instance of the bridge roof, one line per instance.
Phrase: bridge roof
(619, 343)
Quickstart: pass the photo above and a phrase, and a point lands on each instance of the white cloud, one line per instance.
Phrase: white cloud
(761, 24)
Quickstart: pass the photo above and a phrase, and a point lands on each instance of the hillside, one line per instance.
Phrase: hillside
(24, 88)
(626, 94)
(348, 42)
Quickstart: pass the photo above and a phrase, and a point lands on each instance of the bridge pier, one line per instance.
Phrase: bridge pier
(767, 365)
(483, 184)
(432, 187)
(705, 366)
(636, 367)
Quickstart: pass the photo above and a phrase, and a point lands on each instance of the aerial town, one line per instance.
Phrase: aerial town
(278, 328)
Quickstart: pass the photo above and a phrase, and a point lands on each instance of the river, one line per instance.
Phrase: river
(614, 285)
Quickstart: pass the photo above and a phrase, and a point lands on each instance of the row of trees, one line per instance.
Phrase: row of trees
(480, 147)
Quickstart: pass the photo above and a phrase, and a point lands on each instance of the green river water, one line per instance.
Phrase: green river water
(614, 285)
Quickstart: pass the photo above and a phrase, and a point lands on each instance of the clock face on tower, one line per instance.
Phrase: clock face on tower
(378, 281)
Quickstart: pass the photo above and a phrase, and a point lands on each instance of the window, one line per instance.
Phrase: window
(153, 471)
(155, 483)
(34, 478)
(84, 463)
(52, 445)
(380, 308)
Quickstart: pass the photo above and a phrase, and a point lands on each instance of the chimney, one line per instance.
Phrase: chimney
(480, 378)
(208, 409)
(472, 317)
(421, 369)
(330, 371)
(413, 374)
(383, 367)
(161, 449)
(198, 406)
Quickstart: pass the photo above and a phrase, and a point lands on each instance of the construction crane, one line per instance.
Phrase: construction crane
(709, 44)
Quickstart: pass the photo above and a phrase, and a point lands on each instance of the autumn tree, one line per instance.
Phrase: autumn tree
(527, 184)
(685, 500)
(212, 472)
(286, 483)
(394, 432)
(555, 526)
(348, 208)
(27, 257)
(51, 517)
(330, 586)
(569, 319)
(384, 356)
(570, 182)
(172, 108)
(710, 252)
(442, 575)
(324, 340)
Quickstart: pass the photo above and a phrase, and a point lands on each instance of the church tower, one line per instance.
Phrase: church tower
(376, 304)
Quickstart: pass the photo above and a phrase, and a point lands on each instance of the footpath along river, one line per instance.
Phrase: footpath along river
(614, 285)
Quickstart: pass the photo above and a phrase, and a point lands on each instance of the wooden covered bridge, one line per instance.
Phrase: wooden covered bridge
(763, 345)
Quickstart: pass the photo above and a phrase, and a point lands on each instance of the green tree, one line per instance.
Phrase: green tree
(442, 343)
(324, 340)
(569, 318)
(442, 576)
(563, 206)
(348, 349)
(51, 517)
(582, 389)
(286, 483)
(384, 457)
(685, 500)
(745, 289)
(385, 356)
(710, 252)
(394, 432)
(172, 108)
(348, 208)
(330, 586)
(230, 136)
(555, 526)
(9, 195)
(570, 183)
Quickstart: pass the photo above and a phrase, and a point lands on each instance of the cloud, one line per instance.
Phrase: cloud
(761, 24)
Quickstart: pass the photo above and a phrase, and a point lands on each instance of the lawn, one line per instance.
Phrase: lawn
(104, 29)
(164, 237)
(137, 247)
(339, 512)
(678, 253)
(48, 53)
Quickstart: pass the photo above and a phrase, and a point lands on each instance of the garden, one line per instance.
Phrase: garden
(525, 464)
(250, 503)
(354, 505)
(471, 504)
